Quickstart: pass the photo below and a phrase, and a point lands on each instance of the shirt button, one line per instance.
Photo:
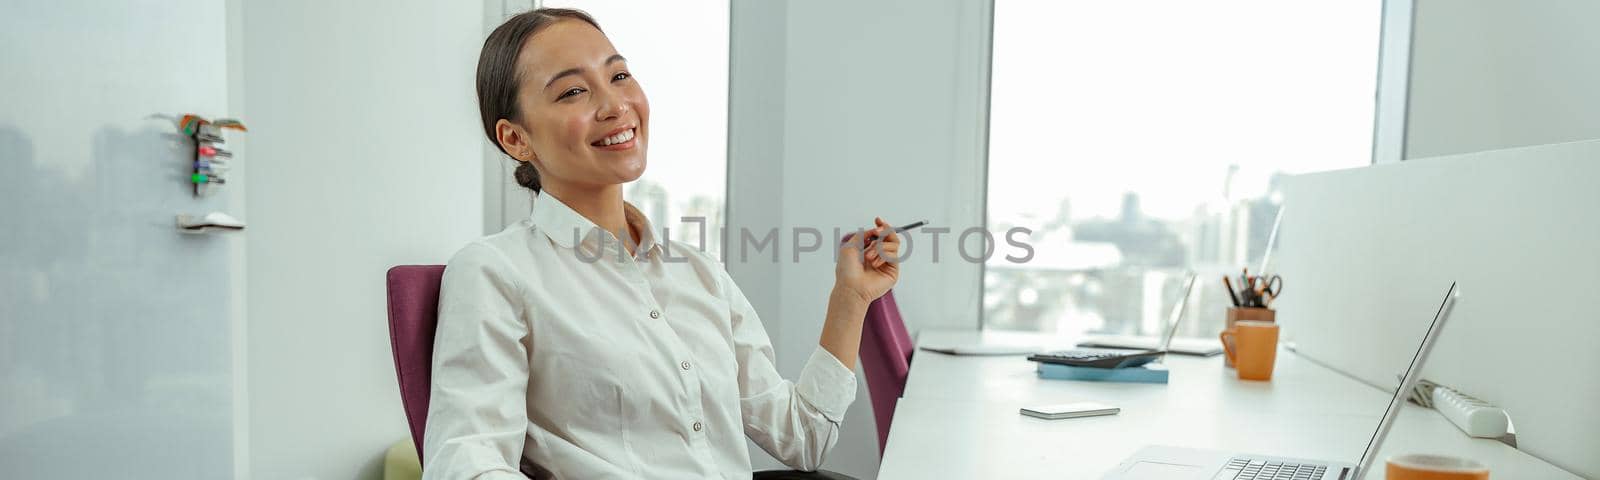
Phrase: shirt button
(685, 364)
(698, 426)
(655, 314)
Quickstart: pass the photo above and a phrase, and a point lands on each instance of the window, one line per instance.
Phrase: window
(1141, 140)
(678, 51)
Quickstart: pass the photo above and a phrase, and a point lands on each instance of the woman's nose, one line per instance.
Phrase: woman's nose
(612, 104)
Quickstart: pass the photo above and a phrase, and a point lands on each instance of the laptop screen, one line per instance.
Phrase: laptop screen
(1177, 315)
(1407, 383)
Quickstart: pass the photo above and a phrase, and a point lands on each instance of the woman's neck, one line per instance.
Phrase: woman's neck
(603, 206)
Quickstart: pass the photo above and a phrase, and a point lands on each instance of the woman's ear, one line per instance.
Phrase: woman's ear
(514, 140)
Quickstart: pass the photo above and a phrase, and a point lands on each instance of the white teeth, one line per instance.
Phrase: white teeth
(618, 138)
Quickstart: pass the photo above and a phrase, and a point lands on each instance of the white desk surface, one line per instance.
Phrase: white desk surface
(958, 418)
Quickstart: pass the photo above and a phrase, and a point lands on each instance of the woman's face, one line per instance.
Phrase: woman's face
(584, 117)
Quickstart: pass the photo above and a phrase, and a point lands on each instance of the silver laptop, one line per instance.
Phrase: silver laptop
(1102, 358)
(1203, 347)
(1158, 462)
(1199, 347)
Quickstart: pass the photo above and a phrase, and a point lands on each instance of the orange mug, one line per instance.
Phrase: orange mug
(1236, 314)
(1434, 467)
(1252, 346)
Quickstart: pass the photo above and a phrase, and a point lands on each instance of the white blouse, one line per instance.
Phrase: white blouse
(558, 354)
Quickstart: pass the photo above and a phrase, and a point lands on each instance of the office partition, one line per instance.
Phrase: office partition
(1367, 253)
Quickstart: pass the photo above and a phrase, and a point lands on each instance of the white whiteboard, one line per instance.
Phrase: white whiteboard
(115, 340)
(1367, 254)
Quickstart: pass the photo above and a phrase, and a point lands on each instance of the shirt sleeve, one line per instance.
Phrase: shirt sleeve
(477, 410)
(795, 422)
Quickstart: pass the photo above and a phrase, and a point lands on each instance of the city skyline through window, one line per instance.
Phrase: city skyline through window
(1141, 141)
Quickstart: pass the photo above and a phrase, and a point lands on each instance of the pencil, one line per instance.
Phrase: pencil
(911, 226)
(1232, 296)
(872, 239)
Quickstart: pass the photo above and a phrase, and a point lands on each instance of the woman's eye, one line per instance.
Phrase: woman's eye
(621, 76)
(570, 92)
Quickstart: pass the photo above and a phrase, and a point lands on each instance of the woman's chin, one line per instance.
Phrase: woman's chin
(630, 171)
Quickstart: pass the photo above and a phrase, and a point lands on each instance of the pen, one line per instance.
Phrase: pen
(1233, 297)
(901, 229)
(911, 226)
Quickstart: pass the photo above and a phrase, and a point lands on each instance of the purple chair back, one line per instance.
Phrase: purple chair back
(886, 357)
(413, 316)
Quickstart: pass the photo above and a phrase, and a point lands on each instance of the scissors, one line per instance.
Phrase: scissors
(1272, 285)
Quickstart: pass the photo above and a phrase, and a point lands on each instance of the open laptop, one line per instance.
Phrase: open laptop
(1099, 358)
(1204, 347)
(1199, 347)
(1158, 462)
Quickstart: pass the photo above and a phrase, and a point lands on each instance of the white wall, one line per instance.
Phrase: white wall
(841, 111)
(365, 152)
(1491, 74)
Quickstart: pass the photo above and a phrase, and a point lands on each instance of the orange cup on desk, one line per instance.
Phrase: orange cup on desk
(1434, 467)
(1236, 314)
(1252, 346)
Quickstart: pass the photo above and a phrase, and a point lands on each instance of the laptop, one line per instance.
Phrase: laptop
(1199, 347)
(1100, 358)
(1204, 347)
(1160, 462)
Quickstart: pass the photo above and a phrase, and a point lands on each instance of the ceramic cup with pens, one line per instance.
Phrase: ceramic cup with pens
(1252, 300)
(1253, 347)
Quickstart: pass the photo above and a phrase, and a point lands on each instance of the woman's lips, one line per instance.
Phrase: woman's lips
(621, 140)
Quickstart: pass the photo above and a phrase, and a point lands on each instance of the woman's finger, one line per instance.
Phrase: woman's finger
(853, 243)
(889, 234)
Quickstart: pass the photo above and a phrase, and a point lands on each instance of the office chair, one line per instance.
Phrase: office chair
(886, 357)
(413, 319)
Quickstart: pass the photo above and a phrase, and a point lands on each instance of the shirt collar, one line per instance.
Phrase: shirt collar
(568, 229)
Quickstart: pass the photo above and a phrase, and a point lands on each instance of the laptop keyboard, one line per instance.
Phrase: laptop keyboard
(1249, 469)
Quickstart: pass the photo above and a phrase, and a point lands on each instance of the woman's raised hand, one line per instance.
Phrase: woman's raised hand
(868, 275)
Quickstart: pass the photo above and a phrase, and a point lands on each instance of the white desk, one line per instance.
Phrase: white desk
(958, 418)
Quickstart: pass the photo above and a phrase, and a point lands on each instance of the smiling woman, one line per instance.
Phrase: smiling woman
(558, 356)
(523, 127)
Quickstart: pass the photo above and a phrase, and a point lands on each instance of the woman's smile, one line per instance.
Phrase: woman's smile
(616, 140)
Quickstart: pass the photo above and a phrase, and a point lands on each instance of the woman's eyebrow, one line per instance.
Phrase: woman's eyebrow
(574, 71)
